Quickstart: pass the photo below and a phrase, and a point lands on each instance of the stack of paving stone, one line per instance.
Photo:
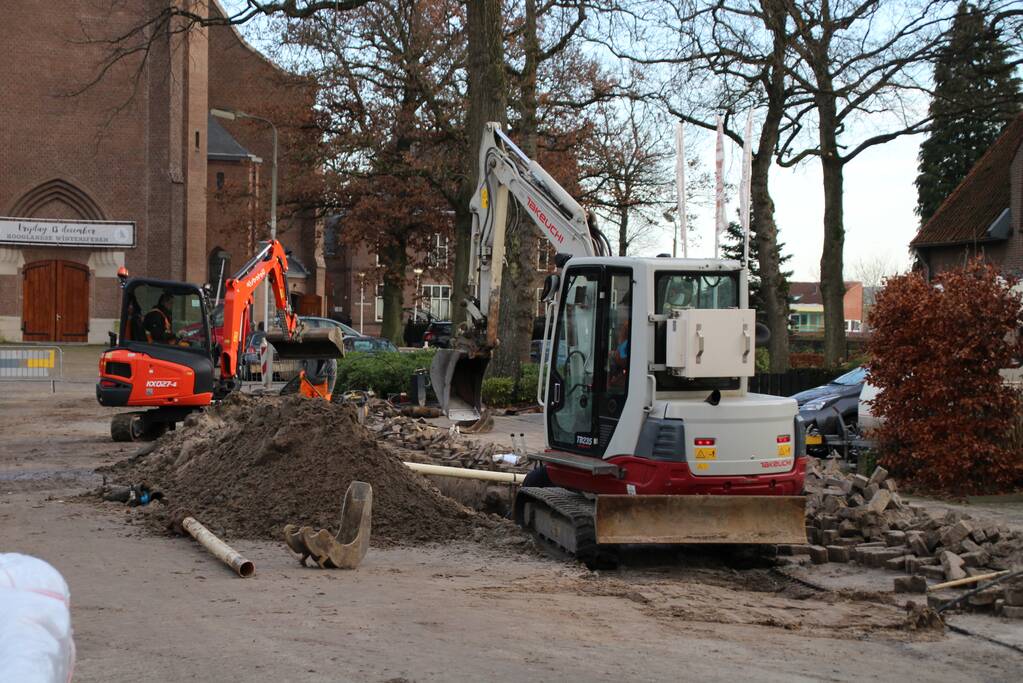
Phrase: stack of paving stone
(855, 518)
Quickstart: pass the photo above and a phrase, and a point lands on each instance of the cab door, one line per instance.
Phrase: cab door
(589, 359)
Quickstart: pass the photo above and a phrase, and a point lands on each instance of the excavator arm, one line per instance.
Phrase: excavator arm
(505, 172)
(293, 341)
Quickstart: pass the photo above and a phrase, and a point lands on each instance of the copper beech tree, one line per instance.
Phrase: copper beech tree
(937, 350)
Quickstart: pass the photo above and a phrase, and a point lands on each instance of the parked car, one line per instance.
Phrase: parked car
(369, 345)
(248, 365)
(438, 334)
(821, 407)
(865, 416)
(317, 322)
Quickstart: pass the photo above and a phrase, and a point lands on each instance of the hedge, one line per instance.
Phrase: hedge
(499, 392)
(384, 373)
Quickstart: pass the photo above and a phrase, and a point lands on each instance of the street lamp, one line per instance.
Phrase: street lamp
(362, 298)
(669, 216)
(415, 299)
(231, 115)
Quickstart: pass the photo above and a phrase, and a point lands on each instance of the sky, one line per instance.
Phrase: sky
(880, 199)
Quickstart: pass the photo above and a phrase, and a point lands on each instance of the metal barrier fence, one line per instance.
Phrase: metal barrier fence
(32, 364)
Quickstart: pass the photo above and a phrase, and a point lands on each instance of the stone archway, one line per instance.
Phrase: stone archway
(57, 198)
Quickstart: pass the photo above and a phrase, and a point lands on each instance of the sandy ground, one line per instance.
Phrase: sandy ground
(159, 607)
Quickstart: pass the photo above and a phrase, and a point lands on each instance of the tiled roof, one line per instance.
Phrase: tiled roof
(980, 199)
(809, 292)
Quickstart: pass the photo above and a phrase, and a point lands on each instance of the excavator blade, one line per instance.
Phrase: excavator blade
(457, 379)
(701, 519)
(313, 344)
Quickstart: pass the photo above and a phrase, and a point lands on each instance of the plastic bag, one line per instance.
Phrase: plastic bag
(36, 643)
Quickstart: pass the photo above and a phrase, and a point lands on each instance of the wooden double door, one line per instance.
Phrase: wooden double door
(55, 302)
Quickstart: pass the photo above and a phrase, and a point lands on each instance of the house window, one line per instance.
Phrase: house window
(379, 303)
(541, 309)
(439, 251)
(220, 180)
(852, 325)
(543, 256)
(437, 300)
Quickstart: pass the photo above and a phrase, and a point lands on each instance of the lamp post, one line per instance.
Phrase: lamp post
(231, 115)
(362, 299)
(415, 299)
(669, 216)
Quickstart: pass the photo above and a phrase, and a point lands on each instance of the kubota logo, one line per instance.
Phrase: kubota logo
(161, 383)
(254, 280)
(542, 217)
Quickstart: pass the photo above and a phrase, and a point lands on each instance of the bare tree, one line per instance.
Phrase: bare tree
(724, 56)
(626, 171)
(874, 269)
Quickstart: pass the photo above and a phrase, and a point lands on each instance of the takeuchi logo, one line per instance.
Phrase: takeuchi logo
(542, 217)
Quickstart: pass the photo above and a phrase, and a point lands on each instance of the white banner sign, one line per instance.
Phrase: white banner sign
(33, 231)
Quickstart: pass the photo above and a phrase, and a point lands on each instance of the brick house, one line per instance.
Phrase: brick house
(355, 289)
(983, 216)
(130, 171)
(807, 308)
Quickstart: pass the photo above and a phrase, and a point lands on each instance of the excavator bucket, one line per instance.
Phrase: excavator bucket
(312, 344)
(457, 379)
(349, 546)
(701, 519)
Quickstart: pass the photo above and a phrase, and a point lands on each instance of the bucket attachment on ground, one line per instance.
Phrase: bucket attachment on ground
(701, 519)
(312, 344)
(346, 550)
(457, 378)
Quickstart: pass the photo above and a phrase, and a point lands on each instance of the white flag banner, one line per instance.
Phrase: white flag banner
(680, 185)
(744, 186)
(719, 186)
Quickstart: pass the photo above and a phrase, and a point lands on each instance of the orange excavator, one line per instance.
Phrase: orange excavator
(165, 360)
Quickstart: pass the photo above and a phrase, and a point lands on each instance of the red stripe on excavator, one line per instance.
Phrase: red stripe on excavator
(661, 477)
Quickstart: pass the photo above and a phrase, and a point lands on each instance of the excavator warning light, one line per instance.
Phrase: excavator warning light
(784, 438)
(704, 442)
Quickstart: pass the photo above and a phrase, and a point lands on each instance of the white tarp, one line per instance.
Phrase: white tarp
(36, 643)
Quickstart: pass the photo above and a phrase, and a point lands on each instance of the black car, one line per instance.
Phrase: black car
(438, 334)
(821, 406)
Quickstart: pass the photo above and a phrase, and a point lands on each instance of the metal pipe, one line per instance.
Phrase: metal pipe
(222, 551)
(465, 473)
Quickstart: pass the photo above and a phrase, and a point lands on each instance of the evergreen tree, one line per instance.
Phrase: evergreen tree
(975, 94)
(732, 247)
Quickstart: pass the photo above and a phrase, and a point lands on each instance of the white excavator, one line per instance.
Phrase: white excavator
(652, 436)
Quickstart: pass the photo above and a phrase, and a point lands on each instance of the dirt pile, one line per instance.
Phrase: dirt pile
(855, 518)
(249, 466)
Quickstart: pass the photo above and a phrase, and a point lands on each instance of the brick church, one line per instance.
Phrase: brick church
(131, 169)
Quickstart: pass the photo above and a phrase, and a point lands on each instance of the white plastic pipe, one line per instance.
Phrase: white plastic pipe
(465, 473)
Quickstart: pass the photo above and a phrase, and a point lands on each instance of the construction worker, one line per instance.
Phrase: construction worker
(318, 378)
(157, 323)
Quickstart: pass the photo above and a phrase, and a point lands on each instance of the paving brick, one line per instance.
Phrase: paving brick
(979, 535)
(915, 541)
(829, 537)
(968, 546)
(932, 571)
(869, 490)
(838, 553)
(878, 476)
(897, 563)
(952, 564)
(876, 557)
(954, 535)
(977, 559)
(859, 482)
(985, 597)
(895, 537)
(818, 554)
(1012, 612)
(911, 584)
(1014, 596)
(879, 501)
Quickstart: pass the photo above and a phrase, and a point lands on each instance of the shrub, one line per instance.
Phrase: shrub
(498, 391)
(384, 373)
(935, 356)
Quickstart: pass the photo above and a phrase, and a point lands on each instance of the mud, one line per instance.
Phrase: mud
(251, 465)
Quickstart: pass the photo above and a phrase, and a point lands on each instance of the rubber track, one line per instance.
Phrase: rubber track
(576, 510)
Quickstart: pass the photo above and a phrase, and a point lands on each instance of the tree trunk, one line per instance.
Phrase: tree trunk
(519, 282)
(773, 290)
(486, 94)
(623, 232)
(394, 258)
(832, 283)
